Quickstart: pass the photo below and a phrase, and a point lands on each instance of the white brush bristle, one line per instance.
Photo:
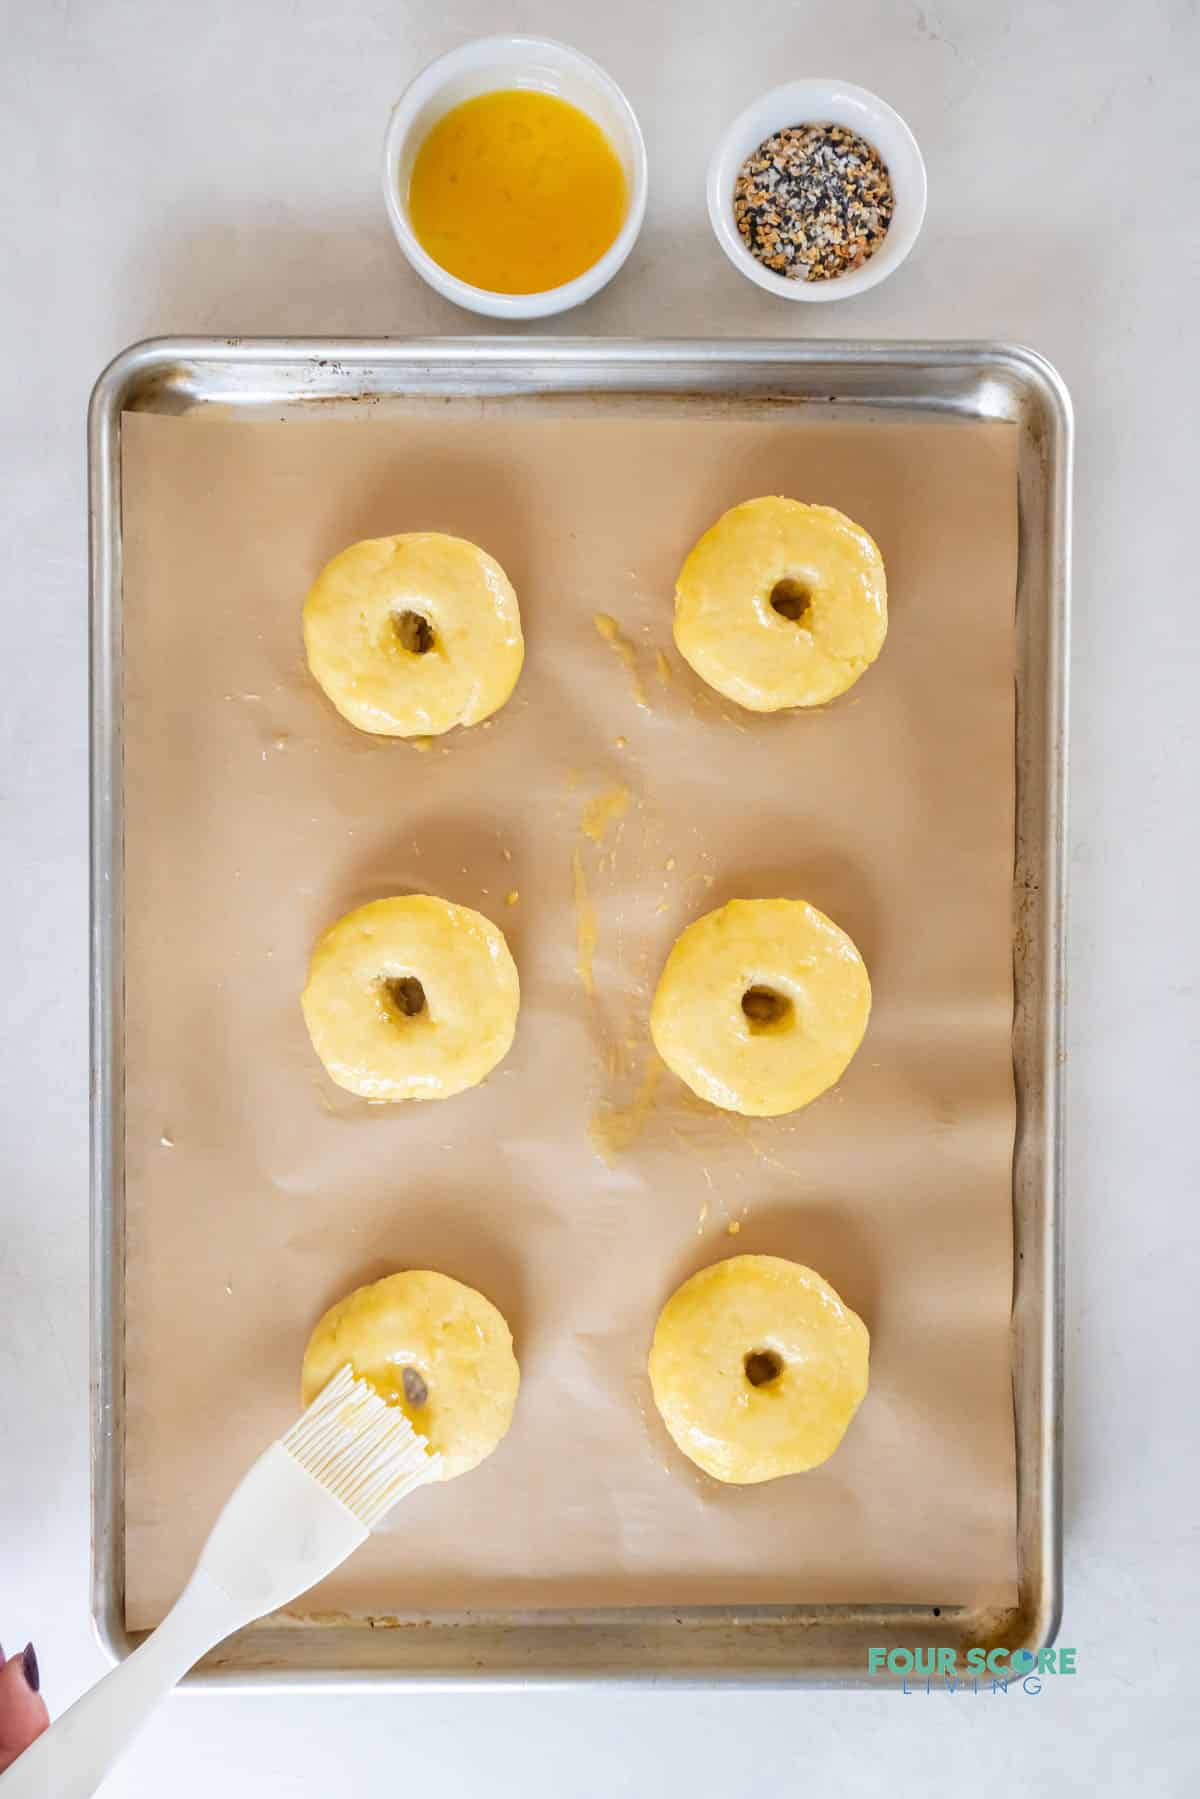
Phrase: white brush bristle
(360, 1448)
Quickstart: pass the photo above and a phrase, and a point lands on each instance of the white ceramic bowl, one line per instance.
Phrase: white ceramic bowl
(821, 102)
(513, 62)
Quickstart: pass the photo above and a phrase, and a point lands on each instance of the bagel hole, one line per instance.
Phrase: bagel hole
(416, 1392)
(762, 1367)
(414, 631)
(791, 599)
(406, 994)
(767, 1010)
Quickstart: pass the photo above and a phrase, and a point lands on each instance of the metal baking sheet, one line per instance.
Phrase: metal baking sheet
(807, 1645)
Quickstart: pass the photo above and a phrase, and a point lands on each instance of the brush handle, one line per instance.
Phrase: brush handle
(71, 1759)
(281, 1532)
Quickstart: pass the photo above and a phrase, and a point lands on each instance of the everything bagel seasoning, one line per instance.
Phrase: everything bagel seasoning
(813, 202)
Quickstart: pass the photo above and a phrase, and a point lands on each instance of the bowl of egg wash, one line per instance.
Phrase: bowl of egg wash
(515, 176)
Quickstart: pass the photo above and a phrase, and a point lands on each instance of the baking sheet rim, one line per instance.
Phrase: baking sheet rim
(158, 370)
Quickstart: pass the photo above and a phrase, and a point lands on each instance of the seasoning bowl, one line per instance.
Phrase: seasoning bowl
(481, 67)
(821, 102)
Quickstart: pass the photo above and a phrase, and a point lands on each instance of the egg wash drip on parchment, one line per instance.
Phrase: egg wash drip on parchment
(606, 808)
(625, 652)
(613, 1128)
(700, 700)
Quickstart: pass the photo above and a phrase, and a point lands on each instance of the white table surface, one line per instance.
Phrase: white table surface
(213, 168)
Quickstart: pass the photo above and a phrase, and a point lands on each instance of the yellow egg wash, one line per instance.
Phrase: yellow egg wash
(516, 192)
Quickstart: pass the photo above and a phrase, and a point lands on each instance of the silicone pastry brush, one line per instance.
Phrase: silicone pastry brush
(305, 1505)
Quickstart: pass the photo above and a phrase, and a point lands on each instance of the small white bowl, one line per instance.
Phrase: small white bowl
(481, 67)
(821, 102)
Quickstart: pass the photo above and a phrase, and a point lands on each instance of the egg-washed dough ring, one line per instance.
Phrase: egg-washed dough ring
(433, 1347)
(412, 635)
(411, 998)
(761, 1005)
(757, 1368)
(829, 616)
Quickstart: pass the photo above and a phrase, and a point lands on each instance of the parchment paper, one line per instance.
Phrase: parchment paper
(258, 1193)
